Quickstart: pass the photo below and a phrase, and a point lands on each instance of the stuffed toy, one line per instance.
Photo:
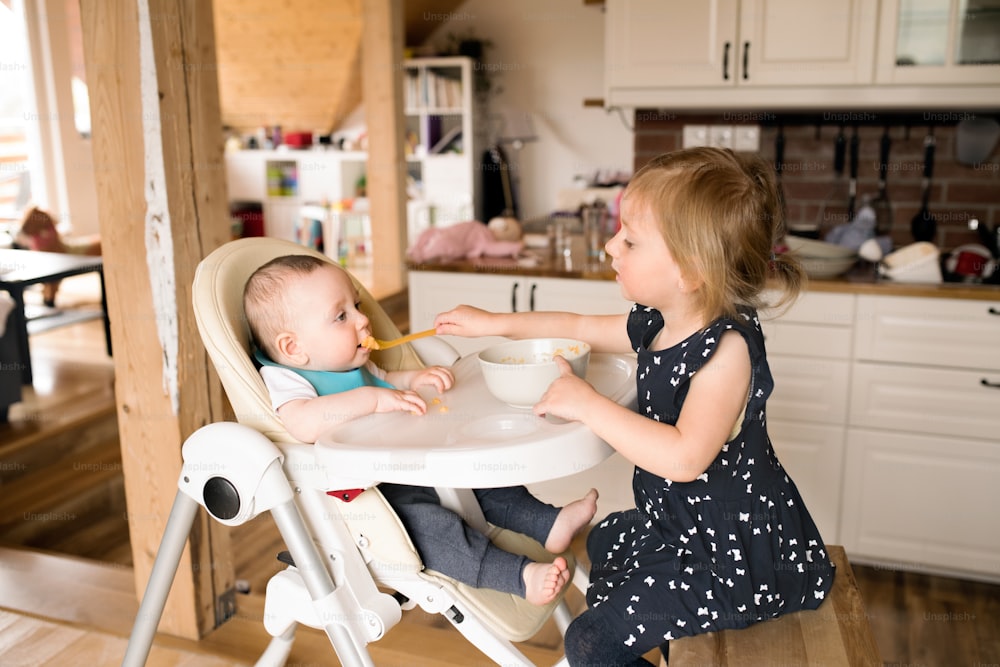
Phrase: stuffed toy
(465, 240)
(38, 232)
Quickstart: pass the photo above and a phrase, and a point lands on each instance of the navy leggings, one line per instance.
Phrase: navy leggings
(592, 642)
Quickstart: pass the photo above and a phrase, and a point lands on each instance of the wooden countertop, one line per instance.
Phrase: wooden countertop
(862, 280)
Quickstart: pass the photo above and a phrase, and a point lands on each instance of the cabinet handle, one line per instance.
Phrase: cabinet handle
(725, 61)
(513, 298)
(531, 297)
(746, 60)
(987, 383)
(993, 311)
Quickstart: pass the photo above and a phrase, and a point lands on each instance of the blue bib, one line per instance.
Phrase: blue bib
(330, 382)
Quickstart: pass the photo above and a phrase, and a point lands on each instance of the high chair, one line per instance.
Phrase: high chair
(354, 568)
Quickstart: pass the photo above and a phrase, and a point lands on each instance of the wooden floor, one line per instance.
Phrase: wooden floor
(66, 592)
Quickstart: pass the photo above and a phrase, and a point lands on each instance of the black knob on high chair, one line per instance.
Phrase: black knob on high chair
(221, 498)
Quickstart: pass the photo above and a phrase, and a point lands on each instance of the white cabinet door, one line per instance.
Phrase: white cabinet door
(939, 42)
(245, 176)
(809, 390)
(655, 44)
(652, 43)
(813, 456)
(587, 297)
(922, 501)
(935, 332)
(920, 399)
(813, 42)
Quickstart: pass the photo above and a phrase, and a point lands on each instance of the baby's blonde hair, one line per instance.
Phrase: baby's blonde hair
(264, 302)
(721, 216)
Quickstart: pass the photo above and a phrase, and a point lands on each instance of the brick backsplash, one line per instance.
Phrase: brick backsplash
(958, 192)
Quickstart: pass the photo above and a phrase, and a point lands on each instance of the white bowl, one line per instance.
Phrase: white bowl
(518, 372)
(821, 259)
(804, 248)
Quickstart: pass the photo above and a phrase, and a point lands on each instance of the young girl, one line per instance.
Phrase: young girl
(719, 537)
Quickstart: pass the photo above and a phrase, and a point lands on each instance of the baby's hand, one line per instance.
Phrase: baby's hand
(566, 396)
(399, 400)
(438, 377)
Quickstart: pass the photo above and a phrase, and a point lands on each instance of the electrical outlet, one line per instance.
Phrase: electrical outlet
(746, 138)
(720, 136)
(695, 135)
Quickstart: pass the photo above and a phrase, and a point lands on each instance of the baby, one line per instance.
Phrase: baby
(305, 318)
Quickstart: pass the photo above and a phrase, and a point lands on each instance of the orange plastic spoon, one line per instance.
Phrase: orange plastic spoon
(373, 343)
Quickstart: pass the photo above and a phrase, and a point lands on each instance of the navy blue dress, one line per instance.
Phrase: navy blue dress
(734, 546)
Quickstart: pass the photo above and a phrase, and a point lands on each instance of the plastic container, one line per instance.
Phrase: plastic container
(916, 263)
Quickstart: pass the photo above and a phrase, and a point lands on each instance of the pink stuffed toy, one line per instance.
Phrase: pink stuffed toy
(465, 240)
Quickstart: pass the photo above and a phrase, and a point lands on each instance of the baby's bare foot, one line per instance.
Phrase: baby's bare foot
(571, 519)
(544, 581)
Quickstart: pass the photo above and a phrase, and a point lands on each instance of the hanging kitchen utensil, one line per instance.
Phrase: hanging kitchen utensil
(828, 217)
(924, 226)
(779, 165)
(881, 205)
(852, 187)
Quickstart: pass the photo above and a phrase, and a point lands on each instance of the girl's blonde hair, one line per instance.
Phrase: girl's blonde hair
(720, 214)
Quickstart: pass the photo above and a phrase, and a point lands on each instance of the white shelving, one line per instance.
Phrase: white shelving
(441, 140)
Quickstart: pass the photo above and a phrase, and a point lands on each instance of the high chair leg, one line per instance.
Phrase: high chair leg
(276, 653)
(175, 536)
(320, 586)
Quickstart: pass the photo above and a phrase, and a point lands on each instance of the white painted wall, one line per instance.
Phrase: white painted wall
(550, 57)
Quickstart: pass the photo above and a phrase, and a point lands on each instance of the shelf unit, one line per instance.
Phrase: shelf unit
(442, 147)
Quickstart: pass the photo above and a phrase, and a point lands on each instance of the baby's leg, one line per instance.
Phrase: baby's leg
(450, 546)
(514, 508)
(571, 520)
(544, 581)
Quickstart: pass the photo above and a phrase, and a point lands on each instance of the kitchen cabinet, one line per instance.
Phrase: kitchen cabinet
(923, 454)
(433, 292)
(443, 149)
(740, 43)
(809, 353)
(774, 54)
(939, 42)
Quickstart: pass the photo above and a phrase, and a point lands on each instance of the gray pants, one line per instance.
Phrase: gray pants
(448, 545)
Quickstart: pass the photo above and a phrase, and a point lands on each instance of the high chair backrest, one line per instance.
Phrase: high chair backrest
(217, 297)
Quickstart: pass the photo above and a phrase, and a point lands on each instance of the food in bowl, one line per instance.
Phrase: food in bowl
(520, 371)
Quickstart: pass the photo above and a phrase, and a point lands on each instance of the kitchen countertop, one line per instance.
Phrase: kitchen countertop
(861, 280)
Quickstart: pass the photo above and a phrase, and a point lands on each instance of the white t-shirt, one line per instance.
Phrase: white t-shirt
(284, 384)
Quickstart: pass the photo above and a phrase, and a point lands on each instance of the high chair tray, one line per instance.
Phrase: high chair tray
(469, 439)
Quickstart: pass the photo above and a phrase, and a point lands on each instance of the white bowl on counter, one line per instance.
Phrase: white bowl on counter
(519, 372)
(821, 259)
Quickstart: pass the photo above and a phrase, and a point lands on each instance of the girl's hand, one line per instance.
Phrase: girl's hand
(464, 321)
(567, 396)
(442, 379)
(399, 400)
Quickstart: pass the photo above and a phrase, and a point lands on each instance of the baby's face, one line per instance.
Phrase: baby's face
(326, 320)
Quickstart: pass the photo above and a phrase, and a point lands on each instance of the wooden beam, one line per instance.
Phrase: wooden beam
(382, 90)
(160, 178)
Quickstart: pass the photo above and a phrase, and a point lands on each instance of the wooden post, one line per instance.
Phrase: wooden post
(382, 90)
(157, 142)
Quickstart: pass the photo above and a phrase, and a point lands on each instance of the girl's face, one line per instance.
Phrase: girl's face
(647, 272)
(327, 323)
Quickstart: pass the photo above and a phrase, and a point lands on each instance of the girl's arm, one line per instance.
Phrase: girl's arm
(604, 333)
(715, 401)
(308, 418)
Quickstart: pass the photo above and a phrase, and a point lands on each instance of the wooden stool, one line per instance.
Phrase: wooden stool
(837, 633)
